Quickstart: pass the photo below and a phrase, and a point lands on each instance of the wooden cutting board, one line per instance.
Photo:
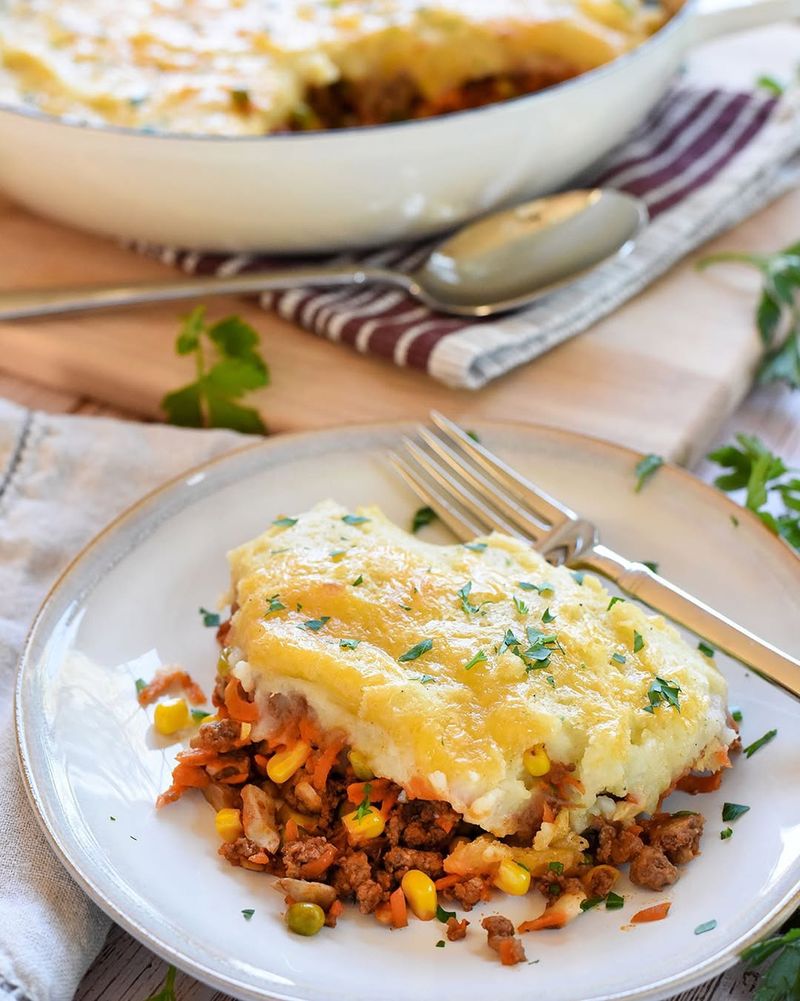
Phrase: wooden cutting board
(661, 374)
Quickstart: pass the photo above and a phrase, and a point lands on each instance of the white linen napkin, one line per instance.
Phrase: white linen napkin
(61, 479)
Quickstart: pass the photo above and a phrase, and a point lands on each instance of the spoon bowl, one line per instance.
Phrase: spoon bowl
(499, 263)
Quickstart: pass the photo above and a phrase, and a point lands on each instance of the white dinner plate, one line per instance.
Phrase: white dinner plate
(130, 603)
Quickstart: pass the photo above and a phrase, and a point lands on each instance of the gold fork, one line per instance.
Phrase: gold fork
(474, 493)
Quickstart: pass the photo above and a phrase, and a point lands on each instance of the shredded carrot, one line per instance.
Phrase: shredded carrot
(445, 881)
(190, 775)
(655, 913)
(196, 756)
(335, 911)
(388, 802)
(261, 763)
(383, 913)
(312, 870)
(309, 731)
(324, 764)
(550, 919)
(548, 813)
(378, 789)
(397, 903)
(169, 678)
(290, 832)
(507, 951)
(170, 795)
(239, 708)
(699, 783)
(284, 737)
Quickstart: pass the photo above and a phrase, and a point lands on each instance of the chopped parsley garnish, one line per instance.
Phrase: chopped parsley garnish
(275, 605)
(474, 436)
(758, 744)
(556, 867)
(550, 680)
(661, 691)
(645, 468)
(365, 805)
(349, 644)
(706, 926)
(463, 594)
(651, 565)
(509, 642)
(316, 624)
(770, 84)
(416, 651)
(425, 679)
(355, 519)
(476, 547)
(554, 889)
(578, 575)
(358, 581)
(685, 813)
(285, 522)
(613, 602)
(248, 912)
(590, 902)
(112, 818)
(198, 715)
(210, 619)
(614, 901)
(441, 944)
(618, 658)
(406, 608)
(422, 516)
(732, 811)
(547, 616)
(736, 714)
(541, 588)
(443, 915)
(479, 658)
(727, 833)
(520, 605)
(705, 649)
(167, 992)
(141, 684)
(638, 641)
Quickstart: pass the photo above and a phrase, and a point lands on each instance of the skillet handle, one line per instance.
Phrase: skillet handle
(723, 17)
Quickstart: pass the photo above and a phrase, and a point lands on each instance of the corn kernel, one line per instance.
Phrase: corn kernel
(536, 761)
(169, 717)
(284, 764)
(512, 878)
(223, 667)
(369, 825)
(419, 891)
(229, 824)
(209, 719)
(361, 769)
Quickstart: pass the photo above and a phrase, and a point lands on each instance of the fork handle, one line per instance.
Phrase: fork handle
(639, 582)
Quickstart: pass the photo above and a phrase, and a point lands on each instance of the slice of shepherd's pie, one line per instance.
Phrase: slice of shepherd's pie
(396, 719)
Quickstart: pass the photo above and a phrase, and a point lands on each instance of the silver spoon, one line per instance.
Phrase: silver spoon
(501, 262)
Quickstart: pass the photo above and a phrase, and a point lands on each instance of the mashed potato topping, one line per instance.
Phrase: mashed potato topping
(444, 665)
(244, 67)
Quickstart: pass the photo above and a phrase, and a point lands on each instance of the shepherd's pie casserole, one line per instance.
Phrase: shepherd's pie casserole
(247, 67)
(465, 714)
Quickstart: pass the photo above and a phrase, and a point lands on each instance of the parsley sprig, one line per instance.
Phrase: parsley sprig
(660, 692)
(167, 992)
(781, 982)
(767, 482)
(210, 400)
(778, 310)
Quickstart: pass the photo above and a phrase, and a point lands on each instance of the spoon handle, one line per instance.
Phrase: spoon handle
(50, 301)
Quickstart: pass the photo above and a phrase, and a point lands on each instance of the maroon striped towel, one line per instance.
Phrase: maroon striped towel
(703, 160)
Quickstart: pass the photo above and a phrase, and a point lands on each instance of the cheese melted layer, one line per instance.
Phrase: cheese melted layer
(244, 67)
(439, 729)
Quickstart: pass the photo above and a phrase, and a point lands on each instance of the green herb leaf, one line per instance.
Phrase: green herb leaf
(653, 567)
(316, 624)
(520, 605)
(661, 691)
(355, 519)
(736, 714)
(541, 588)
(248, 912)
(416, 651)
(443, 915)
(547, 616)
(590, 902)
(365, 805)
(198, 715)
(645, 468)
(210, 400)
(556, 867)
(758, 744)
(349, 644)
(441, 944)
(781, 982)
(358, 581)
(727, 833)
(614, 901)
(210, 619)
(732, 811)
(618, 658)
(476, 547)
(770, 84)
(285, 522)
(706, 926)
(167, 992)
(426, 679)
(479, 658)
(463, 594)
(705, 649)
(638, 641)
(509, 642)
(578, 575)
(422, 516)
(274, 605)
(613, 602)
(141, 684)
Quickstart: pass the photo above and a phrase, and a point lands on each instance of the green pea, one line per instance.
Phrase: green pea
(305, 919)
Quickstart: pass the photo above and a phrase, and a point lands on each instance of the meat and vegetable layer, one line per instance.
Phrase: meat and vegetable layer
(405, 724)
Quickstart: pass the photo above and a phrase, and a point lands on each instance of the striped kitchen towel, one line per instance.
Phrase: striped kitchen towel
(702, 161)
